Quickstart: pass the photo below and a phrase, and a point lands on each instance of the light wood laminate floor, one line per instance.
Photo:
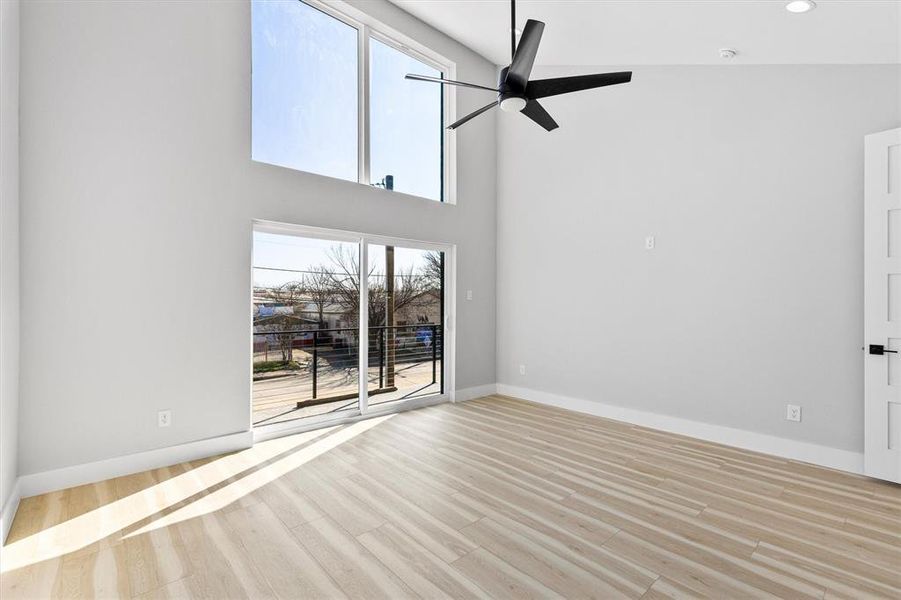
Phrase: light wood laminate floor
(490, 498)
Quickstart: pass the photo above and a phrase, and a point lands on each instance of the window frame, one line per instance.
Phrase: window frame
(369, 28)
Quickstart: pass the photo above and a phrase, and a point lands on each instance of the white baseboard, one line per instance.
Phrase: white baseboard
(477, 391)
(824, 456)
(9, 511)
(66, 477)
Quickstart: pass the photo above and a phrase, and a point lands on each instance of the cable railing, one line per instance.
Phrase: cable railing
(318, 364)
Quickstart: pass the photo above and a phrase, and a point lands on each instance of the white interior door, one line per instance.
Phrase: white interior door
(882, 305)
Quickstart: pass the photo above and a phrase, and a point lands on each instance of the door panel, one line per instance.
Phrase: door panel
(894, 366)
(406, 309)
(305, 328)
(894, 233)
(882, 305)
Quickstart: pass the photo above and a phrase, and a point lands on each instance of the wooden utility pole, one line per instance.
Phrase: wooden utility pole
(390, 332)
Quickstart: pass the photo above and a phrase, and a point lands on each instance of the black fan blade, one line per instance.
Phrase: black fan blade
(449, 82)
(472, 115)
(536, 112)
(521, 67)
(542, 88)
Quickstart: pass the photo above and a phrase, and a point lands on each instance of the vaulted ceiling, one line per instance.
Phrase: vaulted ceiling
(630, 32)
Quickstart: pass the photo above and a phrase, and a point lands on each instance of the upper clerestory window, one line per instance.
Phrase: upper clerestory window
(329, 97)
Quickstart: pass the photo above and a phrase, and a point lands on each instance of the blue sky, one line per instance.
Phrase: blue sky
(295, 253)
(305, 101)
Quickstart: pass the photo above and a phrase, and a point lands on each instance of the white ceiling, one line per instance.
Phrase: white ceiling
(630, 32)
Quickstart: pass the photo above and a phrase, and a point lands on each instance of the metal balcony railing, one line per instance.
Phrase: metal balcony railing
(310, 354)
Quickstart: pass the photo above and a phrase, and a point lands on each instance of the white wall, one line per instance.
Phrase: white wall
(137, 199)
(9, 244)
(751, 179)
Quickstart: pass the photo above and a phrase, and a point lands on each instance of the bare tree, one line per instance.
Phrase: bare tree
(344, 272)
(388, 292)
(319, 288)
(433, 270)
(409, 285)
(345, 279)
(281, 322)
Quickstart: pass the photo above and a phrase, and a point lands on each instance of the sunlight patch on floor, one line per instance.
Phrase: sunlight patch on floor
(97, 524)
(246, 485)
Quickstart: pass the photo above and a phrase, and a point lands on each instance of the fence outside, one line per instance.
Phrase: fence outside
(308, 355)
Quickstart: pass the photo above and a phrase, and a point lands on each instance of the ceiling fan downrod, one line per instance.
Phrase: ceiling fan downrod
(512, 29)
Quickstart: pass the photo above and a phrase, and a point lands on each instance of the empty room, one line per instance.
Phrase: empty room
(389, 299)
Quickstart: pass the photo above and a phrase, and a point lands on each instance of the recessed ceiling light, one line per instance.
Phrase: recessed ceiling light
(800, 6)
(727, 53)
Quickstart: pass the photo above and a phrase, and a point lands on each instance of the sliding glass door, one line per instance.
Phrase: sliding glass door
(406, 314)
(305, 327)
(344, 324)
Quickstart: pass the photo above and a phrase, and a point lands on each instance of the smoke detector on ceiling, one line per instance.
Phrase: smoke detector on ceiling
(727, 53)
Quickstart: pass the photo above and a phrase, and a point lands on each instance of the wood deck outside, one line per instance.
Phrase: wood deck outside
(275, 400)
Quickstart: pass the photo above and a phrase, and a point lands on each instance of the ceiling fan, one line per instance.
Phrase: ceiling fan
(515, 93)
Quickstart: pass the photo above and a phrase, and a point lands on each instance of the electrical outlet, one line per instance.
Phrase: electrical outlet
(469, 294)
(649, 242)
(164, 418)
(792, 412)
(522, 369)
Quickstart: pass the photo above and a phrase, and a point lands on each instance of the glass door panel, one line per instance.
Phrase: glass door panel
(306, 306)
(406, 316)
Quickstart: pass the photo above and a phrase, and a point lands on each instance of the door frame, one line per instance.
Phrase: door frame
(363, 411)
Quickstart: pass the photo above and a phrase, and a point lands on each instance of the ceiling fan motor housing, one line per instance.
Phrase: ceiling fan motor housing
(507, 90)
